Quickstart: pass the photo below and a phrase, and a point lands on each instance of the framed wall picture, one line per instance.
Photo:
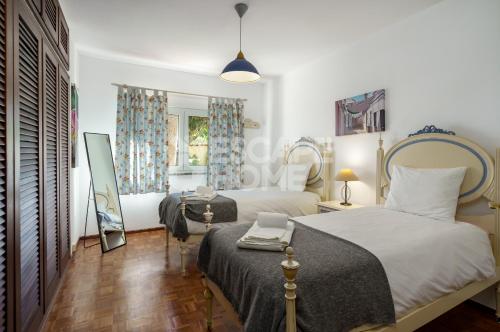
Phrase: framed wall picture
(74, 126)
(360, 114)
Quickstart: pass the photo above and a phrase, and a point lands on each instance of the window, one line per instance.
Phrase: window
(187, 140)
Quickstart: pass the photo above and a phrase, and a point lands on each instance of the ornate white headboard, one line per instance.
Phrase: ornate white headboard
(432, 147)
(444, 150)
(306, 150)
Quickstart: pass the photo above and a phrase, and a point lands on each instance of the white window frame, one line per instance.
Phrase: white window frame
(183, 167)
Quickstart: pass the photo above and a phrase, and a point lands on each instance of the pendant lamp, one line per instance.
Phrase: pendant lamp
(240, 70)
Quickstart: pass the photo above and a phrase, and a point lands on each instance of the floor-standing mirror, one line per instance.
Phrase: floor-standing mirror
(106, 198)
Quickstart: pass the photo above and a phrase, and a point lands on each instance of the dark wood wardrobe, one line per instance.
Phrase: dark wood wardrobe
(34, 159)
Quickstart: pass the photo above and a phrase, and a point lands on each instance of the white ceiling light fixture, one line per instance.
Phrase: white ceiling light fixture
(240, 70)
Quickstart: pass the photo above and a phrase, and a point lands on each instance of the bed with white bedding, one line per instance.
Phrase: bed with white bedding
(424, 259)
(304, 181)
(268, 199)
(434, 257)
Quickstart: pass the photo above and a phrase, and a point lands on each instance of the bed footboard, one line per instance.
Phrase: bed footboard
(208, 215)
(290, 269)
(183, 245)
(207, 293)
(167, 233)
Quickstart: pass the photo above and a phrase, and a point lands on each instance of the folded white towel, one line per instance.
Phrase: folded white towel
(264, 233)
(204, 190)
(198, 197)
(272, 219)
(257, 238)
(260, 246)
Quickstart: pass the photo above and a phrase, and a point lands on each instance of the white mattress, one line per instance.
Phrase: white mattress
(424, 259)
(263, 199)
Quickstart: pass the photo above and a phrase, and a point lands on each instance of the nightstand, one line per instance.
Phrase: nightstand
(331, 206)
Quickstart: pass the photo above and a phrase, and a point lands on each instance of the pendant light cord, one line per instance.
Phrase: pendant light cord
(240, 34)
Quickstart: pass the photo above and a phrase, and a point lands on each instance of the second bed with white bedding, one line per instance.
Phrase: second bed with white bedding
(263, 199)
(423, 258)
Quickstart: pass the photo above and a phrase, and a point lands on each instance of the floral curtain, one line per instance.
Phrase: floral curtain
(141, 141)
(225, 143)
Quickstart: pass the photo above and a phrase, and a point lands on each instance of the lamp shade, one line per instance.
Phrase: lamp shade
(240, 70)
(346, 174)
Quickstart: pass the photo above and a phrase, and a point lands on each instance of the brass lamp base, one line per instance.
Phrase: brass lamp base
(345, 193)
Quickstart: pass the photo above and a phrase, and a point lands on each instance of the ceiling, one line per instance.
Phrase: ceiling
(202, 35)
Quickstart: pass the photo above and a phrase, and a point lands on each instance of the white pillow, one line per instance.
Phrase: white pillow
(294, 177)
(431, 192)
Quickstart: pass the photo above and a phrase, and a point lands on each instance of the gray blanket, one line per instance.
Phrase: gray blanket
(223, 208)
(340, 285)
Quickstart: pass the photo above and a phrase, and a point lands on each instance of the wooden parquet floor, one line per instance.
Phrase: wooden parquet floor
(136, 288)
(132, 288)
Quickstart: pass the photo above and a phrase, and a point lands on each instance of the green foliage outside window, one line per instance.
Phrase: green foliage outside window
(198, 130)
(198, 140)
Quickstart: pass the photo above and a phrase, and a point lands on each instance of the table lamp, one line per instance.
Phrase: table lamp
(346, 175)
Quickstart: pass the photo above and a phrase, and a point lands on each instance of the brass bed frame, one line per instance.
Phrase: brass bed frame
(447, 150)
(304, 150)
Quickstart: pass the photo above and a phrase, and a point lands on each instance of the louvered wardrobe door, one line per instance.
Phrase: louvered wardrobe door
(63, 37)
(29, 186)
(3, 172)
(51, 144)
(6, 166)
(50, 15)
(64, 166)
(38, 5)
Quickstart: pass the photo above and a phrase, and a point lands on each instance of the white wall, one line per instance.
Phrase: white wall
(438, 67)
(98, 114)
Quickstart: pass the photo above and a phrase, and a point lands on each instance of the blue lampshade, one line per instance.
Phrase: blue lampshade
(240, 70)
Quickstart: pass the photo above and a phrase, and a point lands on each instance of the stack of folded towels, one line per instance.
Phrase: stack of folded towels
(202, 193)
(271, 231)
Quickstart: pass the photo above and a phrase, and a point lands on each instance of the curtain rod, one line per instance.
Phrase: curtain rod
(174, 92)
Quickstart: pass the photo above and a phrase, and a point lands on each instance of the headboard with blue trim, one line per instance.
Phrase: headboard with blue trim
(432, 147)
(306, 150)
(444, 151)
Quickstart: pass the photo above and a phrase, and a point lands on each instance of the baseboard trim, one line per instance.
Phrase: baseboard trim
(74, 246)
(96, 236)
